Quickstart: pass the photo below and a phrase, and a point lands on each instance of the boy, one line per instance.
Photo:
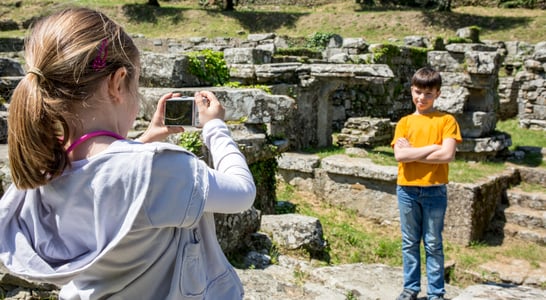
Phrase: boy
(424, 143)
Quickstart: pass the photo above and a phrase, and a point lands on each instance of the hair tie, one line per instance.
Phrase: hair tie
(100, 61)
(37, 73)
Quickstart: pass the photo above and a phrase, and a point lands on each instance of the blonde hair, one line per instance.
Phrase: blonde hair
(67, 55)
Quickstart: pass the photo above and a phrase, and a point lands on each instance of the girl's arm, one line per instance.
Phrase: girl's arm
(231, 185)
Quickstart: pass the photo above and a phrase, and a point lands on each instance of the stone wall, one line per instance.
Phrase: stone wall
(370, 189)
(532, 90)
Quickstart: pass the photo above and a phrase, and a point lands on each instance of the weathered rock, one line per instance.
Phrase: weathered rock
(167, 70)
(10, 67)
(292, 231)
(500, 292)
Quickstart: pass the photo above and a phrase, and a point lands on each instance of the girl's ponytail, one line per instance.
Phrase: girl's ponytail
(36, 134)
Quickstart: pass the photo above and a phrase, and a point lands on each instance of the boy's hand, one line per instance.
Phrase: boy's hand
(403, 143)
(157, 131)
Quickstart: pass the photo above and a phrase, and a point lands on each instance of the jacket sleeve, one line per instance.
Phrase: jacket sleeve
(231, 185)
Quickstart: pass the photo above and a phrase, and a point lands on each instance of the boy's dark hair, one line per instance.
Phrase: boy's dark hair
(427, 77)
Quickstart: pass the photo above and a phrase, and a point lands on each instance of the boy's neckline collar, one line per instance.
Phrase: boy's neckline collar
(433, 110)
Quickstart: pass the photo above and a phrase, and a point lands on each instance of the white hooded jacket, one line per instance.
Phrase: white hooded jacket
(133, 222)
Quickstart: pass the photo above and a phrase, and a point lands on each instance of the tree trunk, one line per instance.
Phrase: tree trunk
(229, 5)
(444, 5)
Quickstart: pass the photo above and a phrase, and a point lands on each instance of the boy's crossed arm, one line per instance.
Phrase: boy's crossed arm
(431, 154)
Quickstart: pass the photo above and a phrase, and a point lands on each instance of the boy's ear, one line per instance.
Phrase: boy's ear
(116, 82)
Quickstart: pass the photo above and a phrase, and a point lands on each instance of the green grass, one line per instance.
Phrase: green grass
(326, 151)
(467, 171)
(520, 136)
(532, 187)
(178, 19)
(354, 240)
(348, 240)
(525, 138)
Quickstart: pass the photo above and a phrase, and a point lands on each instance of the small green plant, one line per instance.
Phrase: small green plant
(191, 141)
(209, 66)
(274, 254)
(300, 275)
(319, 40)
(350, 296)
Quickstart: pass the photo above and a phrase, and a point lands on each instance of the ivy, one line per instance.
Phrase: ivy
(264, 172)
(385, 52)
(191, 141)
(209, 66)
(319, 40)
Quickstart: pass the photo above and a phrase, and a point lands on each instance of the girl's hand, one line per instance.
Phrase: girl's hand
(209, 107)
(157, 131)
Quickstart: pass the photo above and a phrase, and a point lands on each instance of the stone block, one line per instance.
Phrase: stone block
(471, 207)
(277, 73)
(444, 61)
(247, 56)
(477, 124)
(167, 70)
(482, 62)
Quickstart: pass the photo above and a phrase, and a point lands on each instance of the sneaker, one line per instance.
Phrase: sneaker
(436, 298)
(407, 295)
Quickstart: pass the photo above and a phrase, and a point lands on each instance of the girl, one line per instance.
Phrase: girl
(103, 216)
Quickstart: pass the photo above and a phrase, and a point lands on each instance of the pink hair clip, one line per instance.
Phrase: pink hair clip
(100, 61)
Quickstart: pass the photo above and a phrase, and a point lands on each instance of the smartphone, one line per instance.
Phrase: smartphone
(181, 111)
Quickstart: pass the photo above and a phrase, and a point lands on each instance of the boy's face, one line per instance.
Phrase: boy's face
(423, 98)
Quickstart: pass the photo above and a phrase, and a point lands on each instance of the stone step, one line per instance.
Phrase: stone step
(517, 197)
(525, 217)
(536, 235)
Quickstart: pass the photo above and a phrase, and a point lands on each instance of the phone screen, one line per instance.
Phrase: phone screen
(179, 111)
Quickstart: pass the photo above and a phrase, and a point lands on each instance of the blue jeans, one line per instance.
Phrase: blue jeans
(422, 211)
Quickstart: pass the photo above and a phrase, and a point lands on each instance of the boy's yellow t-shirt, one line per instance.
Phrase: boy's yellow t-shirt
(423, 130)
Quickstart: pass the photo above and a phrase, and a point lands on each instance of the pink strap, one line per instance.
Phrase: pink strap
(93, 134)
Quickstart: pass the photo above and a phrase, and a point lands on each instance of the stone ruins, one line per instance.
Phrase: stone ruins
(353, 91)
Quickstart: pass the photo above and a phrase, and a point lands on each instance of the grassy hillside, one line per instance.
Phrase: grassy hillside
(185, 18)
